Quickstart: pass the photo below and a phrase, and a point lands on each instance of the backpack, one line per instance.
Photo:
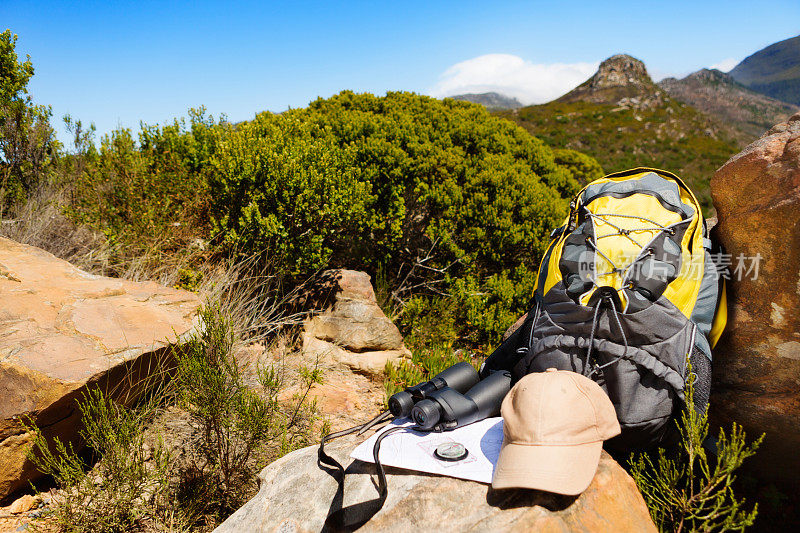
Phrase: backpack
(628, 294)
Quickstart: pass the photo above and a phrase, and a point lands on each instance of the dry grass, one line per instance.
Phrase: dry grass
(42, 222)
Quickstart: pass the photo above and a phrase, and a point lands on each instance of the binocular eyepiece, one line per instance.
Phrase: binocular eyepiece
(448, 408)
(459, 377)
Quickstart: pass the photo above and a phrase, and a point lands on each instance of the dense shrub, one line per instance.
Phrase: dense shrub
(28, 145)
(584, 168)
(146, 191)
(444, 198)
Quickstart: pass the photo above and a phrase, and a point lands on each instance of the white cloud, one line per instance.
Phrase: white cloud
(511, 75)
(726, 64)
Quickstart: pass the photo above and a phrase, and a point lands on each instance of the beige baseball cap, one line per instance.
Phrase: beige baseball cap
(554, 425)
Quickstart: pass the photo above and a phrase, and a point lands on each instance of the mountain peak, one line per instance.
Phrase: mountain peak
(620, 80)
(774, 71)
(619, 71)
(711, 75)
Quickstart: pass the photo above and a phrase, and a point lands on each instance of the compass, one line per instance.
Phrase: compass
(451, 451)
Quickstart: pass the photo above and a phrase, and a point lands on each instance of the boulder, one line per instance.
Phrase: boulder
(295, 495)
(352, 331)
(63, 330)
(757, 361)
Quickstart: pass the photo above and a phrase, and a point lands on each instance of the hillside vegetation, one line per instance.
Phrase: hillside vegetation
(624, 120)
(439, 196)
(673, 137)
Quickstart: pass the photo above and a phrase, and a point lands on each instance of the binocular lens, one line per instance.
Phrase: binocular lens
(427, 413)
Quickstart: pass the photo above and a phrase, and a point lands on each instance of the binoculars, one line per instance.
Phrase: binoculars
(453, 398)
(460, 377)
(448, 408)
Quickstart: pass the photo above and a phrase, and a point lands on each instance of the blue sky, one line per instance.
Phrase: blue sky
(116, 63)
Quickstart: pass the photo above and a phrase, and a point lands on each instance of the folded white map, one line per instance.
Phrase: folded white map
(414, 450)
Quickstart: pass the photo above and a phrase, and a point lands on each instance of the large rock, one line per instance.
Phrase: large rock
(63, 330)
(757, 362)
(352, 331)
(295, 496)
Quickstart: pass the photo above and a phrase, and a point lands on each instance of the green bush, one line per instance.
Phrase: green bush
(237, 422)
(148, 193)
(28, 145)
(441, 196)
(128, 487)
(691, 489)
(278, 184)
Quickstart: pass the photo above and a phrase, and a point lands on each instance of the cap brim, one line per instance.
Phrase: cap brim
(561, 469)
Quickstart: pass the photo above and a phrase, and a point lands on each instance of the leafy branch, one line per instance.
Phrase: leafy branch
(692, 489)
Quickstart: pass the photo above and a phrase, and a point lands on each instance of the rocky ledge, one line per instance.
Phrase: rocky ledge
(63, 330)
(349, 329)
(295, 495)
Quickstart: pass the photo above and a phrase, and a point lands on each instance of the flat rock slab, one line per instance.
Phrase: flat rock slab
(63, 329)
(295, 496)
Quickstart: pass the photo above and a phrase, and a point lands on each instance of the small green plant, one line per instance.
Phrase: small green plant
(239, 424)
(234, 420)
(693, 490)
(296, 429)
(128, 486)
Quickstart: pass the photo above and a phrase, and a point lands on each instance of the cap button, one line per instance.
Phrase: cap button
(552, 370)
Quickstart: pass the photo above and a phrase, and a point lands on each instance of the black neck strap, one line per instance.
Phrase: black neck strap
(354, 516)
